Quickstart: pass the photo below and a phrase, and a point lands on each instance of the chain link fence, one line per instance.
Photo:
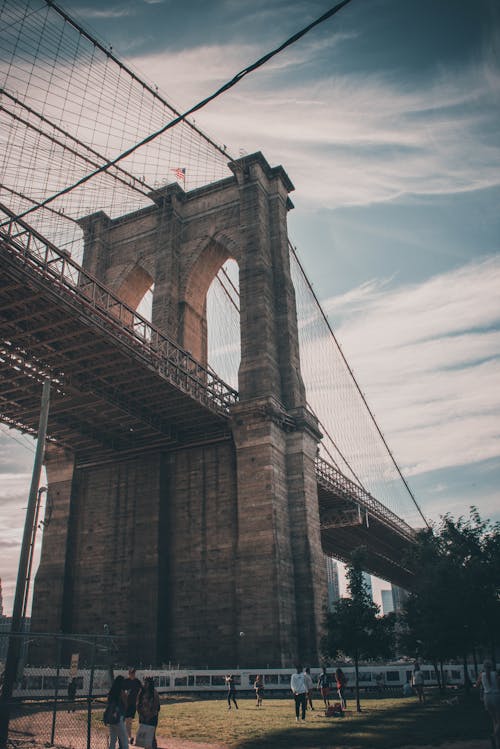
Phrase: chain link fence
(59, 694)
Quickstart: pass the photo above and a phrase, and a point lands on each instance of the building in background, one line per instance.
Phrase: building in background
(332, 579)
(387, 601)
(1, 599)
(399, 596)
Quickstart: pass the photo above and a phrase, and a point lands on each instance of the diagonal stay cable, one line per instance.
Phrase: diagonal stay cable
(229, 84)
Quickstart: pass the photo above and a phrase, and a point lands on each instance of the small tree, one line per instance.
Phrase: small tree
(354, 627)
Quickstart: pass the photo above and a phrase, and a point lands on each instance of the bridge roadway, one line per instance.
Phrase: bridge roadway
(118, 384)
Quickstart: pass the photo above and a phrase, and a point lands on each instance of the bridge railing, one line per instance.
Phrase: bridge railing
(333, 480)
(175, 364)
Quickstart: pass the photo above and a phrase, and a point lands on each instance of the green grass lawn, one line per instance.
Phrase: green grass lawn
(382, 724)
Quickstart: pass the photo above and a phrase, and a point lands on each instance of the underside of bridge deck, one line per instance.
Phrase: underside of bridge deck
(346, 525)
(108, 390)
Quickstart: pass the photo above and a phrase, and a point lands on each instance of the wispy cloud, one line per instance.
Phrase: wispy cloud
(92, 13)
(383, 138)
(429, 356)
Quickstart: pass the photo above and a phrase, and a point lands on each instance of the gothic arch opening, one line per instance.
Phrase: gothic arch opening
(135, 288)
(145, 306)
(210, 309)
(223, 323)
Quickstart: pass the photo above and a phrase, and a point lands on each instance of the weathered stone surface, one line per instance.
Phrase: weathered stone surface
(180, 552)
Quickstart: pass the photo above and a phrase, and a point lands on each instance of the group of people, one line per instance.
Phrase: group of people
(302, 687)
(126, 698)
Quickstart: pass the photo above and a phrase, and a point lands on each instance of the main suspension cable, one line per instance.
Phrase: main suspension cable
(180, 117)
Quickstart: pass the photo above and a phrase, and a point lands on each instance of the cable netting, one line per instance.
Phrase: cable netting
(67, 107)
(223, 324)
(351, 438)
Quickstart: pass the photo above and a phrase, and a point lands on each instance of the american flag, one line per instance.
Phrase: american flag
(180, 173)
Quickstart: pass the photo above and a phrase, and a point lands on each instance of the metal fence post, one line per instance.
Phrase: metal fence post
(56, 693)
(89, 697)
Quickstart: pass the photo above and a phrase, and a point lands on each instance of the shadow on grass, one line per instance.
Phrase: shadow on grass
(385, 728)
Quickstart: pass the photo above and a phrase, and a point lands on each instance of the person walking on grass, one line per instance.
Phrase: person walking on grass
(231, 691)
(418, 682)
(489, 682)
(133, 687)
(341, 682)
(148, 706)
(324, 684)
(115, 713)
(259, 689)
(299, 690)
(309, 686)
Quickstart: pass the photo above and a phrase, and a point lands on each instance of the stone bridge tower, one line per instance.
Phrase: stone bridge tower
(182, 551)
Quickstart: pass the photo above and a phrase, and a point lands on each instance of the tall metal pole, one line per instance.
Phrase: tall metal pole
(32, 550)
(12, 660)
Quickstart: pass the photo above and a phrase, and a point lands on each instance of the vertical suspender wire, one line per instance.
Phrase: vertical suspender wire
(372, 417)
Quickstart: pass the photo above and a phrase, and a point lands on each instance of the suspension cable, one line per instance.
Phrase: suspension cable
(372, 417)
(180, 117)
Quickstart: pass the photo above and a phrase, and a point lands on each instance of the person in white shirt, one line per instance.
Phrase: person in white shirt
(299, 689)
(418, 682)
(489, 682)
(309, 687)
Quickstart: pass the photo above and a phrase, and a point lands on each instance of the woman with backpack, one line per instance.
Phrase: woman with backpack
(114, 715)
(148, 707)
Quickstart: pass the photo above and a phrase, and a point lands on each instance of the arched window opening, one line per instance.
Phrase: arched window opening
(145, 306)
(136, 290)
(223, 323)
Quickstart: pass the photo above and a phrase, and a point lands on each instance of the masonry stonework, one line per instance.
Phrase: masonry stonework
(180, 551)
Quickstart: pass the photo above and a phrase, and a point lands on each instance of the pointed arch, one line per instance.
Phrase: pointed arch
(133, 285)
(223, 323)
(211, 256)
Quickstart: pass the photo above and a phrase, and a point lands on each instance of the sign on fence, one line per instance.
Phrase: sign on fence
(73, 669)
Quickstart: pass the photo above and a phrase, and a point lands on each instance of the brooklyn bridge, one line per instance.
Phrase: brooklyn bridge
(207, 442)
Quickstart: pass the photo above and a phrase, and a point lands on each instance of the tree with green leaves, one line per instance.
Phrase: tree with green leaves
(354, 627)
(454, 605)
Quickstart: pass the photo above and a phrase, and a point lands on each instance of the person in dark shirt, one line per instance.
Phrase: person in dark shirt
(72, 686)
(324, 684)
(231, 691)
(259, 689)
(132, 687)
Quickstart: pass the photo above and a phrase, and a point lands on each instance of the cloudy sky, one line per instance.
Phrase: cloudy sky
(386, 119)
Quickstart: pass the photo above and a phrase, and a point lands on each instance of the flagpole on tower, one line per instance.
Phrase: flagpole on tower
(180, 173)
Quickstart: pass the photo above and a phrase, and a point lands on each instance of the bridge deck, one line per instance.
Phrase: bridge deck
(351, 517)
(118, 383)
